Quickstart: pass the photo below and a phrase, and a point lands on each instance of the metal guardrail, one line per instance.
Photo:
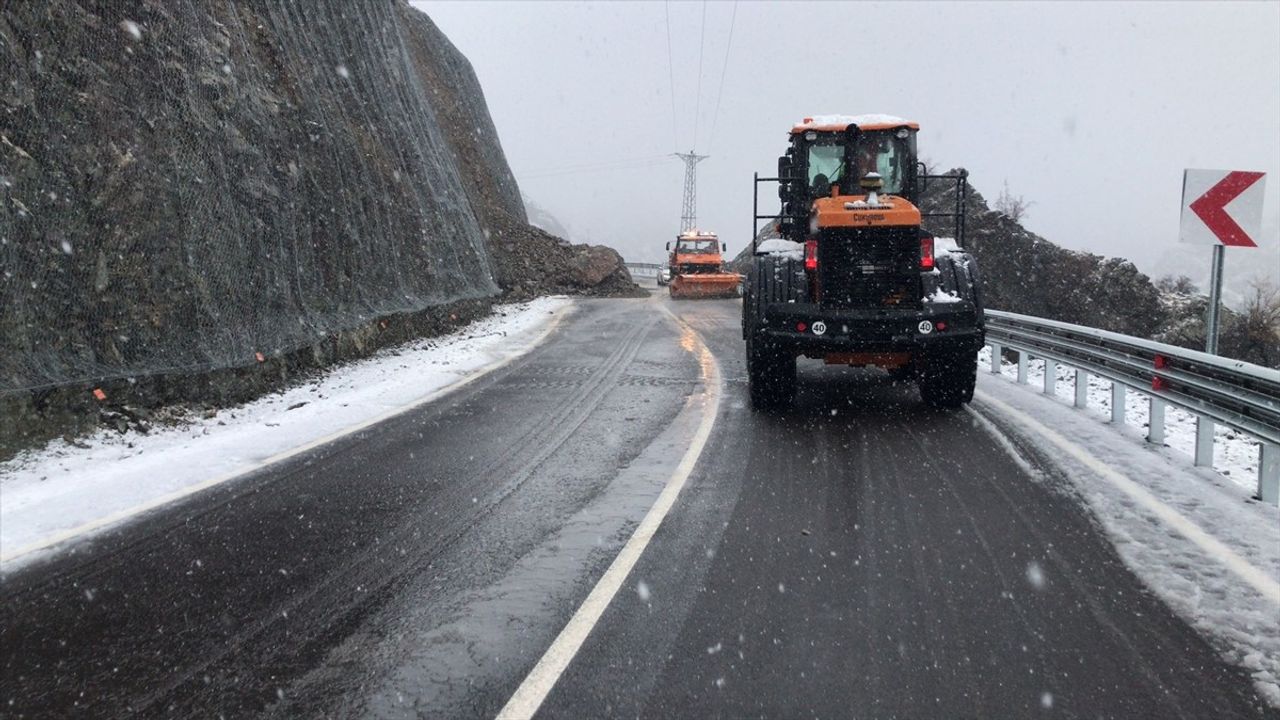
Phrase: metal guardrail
(641, 269)
(1216, 390)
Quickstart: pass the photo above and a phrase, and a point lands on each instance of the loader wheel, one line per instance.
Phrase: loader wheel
(771, 279)
(771, 374)
(771, 370)
(947, 381)
(903, 373)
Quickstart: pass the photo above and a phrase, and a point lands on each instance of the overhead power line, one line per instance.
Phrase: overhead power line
(671, 74)
(702, 44)
(715, 117)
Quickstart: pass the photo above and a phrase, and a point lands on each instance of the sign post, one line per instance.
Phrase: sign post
(1215, 300)
(1220, 208)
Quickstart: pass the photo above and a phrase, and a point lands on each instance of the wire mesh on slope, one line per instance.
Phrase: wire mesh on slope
(186, 185)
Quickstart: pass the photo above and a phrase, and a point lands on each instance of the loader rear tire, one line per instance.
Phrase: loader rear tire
(947, 381)
(771, 369)
(771, 374)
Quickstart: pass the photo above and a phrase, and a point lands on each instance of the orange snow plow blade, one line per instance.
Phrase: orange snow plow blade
(705, 285)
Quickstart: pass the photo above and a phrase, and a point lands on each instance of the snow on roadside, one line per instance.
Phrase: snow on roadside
(60, 487)
(1243, 624)
(1235, 454)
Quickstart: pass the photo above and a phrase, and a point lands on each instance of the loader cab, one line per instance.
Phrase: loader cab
(825, 160)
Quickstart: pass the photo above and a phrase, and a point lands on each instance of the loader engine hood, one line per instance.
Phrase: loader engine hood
(842, 211)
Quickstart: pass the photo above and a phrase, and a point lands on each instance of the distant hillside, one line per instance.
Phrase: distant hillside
(1026, 273)
(542, 219)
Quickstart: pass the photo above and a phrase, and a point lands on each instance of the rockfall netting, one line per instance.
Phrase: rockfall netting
(185, 185)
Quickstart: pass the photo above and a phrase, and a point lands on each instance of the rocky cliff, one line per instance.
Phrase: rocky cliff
(1025, 273)
(188, 188)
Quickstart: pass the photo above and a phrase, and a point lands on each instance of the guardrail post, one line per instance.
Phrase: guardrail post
(996, 360)
(1269, 473)
(1117, 403)
(1050, 377)
(1082, 388)
(1155, 421)
(1022, 367)
(1204, 442)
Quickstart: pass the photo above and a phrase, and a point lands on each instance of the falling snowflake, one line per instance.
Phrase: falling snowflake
(343, 72)
(1035, 575)
(131, 28)
(642, 589)
(66, 247)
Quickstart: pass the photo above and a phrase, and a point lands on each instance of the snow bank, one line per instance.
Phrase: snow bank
(64, 492)
(943, 246)
(1199, 585)
(941, 296)
(778, 246)
(1235, 455)
(817, 121)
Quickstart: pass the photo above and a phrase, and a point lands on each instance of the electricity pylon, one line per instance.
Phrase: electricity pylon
(689, 215)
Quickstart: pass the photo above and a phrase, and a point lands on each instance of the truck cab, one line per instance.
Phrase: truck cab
(696, 260)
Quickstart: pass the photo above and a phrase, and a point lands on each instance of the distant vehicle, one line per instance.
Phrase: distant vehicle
(664, 275)
(850, 276)
(697, 268)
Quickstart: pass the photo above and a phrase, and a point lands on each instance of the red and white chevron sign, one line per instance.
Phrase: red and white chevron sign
(1222, 207)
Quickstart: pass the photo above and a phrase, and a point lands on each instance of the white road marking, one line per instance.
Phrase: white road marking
(540, 681)
(127, 513)
(1216, 549)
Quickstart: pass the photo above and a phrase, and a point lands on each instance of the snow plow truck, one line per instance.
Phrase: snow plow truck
(849, 272)
(697, 267)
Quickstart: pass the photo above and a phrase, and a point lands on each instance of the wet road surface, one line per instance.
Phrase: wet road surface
(854, 556)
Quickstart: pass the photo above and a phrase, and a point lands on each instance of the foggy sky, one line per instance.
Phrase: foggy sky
(1090, 111)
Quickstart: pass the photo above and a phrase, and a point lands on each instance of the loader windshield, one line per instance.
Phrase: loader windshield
(885, 153)
(882, 152)
(826, 160)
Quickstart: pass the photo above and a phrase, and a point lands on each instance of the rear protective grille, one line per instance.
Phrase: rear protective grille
(869, 267)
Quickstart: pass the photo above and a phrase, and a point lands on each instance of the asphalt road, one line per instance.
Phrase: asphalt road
(855, 556)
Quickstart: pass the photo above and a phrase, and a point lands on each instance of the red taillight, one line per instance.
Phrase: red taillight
(926, 253)
(801, 326)
(811, 255)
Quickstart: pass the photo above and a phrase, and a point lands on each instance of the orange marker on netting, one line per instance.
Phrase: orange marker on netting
(97, 393)
(260, 357)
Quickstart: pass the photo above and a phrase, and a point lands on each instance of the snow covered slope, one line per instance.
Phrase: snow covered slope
(64, 492)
